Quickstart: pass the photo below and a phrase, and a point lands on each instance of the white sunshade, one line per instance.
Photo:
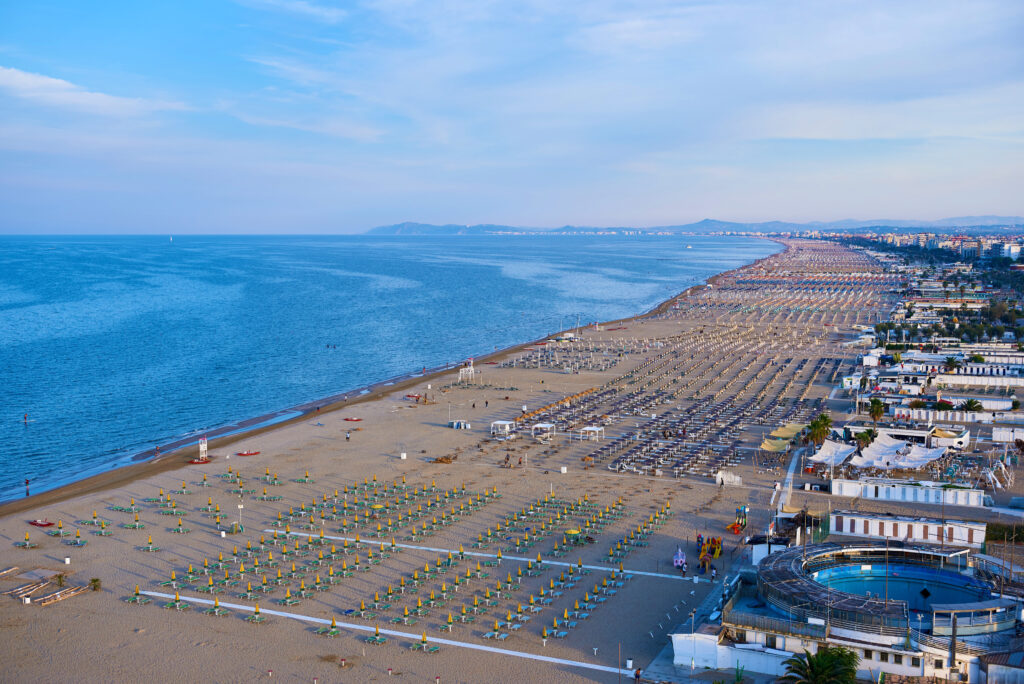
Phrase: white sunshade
(888, 453)
(884, 453)
(833, 453)
(920, 456)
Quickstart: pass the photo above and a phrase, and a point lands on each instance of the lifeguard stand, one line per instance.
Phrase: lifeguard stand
(467, 372)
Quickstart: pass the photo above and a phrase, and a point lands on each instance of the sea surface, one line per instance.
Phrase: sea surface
(112, 345)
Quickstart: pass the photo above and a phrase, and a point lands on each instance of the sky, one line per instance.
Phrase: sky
(309, 116)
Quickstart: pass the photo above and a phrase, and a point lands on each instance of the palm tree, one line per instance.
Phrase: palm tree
(876, 409)
(836, 665)
(819, 428)
(864, 439)
(952, 363)
(972, 405)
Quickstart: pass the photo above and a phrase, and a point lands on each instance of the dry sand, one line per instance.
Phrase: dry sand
(97, 636)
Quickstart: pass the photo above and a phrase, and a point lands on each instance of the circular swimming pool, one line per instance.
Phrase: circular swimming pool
(867, 586)
(919, 586)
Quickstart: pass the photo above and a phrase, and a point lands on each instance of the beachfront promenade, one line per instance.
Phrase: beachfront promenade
(519, 573)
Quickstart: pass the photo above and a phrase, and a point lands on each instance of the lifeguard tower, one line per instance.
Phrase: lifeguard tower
(467, 373)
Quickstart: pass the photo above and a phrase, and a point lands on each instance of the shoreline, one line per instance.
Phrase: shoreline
(147, 463)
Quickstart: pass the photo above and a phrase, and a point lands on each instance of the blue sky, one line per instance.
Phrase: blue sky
(305, 116)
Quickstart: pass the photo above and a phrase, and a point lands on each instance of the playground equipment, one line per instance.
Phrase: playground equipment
(741, 520)
(709, 549)
(679, 558)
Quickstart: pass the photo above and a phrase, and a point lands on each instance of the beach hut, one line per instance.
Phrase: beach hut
(503, 429)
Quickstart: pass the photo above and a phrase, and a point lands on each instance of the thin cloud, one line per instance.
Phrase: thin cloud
(322, 13)
(56, 92)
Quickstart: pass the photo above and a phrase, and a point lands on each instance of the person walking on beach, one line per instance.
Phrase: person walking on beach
(348, 435)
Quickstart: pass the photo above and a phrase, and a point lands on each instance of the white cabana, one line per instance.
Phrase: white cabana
(594, 433)
(543, 431)
(833, 453)
(503, 429)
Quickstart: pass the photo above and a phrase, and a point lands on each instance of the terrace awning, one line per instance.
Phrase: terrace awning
(788, 431)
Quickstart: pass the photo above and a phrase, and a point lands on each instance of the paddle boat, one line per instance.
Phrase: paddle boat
(40, 523)
(248, 452)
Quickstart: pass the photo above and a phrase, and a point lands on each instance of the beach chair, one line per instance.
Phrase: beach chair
(137, 598)
(256, 617)
(329, 631)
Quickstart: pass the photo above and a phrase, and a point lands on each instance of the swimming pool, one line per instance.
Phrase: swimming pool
(920, 587)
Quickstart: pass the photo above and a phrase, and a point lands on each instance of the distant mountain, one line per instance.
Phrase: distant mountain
(707, 226)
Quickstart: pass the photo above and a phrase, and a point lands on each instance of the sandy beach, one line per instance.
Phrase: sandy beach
(680, 394)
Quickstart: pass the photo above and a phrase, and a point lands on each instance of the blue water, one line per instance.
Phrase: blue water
(112, 345)
(920, 587)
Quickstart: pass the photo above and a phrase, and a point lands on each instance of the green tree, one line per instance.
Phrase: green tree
(830, 665)
(864, 439)
(970, 405)
(976, 358)
(819, 428)
(876, 409)
(952, 363)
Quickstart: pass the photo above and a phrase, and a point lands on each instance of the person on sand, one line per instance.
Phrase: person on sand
(637, 675)
(520, 461)
(348, 435)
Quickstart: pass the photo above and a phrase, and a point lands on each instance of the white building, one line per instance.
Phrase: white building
(908, 529)
(909, 491)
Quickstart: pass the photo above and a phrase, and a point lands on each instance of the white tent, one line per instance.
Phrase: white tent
(543, 431)
(503, 429)
(920, 456)
(833, 453)
(884, 452)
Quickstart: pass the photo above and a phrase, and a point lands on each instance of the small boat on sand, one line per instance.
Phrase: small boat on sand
(41, 523)
(248, 452)
(200, 461)
(354, 420)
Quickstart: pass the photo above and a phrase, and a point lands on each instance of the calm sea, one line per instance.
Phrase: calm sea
(112, 345)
